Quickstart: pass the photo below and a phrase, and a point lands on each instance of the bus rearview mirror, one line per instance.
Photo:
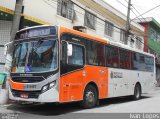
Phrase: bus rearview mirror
(5, 50)
(8, 48)
(69, 49)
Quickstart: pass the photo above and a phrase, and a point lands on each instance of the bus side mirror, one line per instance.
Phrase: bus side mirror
(69, 49)
(5, 50)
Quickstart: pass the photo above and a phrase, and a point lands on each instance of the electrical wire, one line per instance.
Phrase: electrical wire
(121, 3)
(147, 11)
(127, 7)
(147, 35)
(54, 2)
(126, 1)
(139, 19)
(86, 10)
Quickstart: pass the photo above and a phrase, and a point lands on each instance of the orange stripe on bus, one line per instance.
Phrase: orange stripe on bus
(67, 30)
(17, 86)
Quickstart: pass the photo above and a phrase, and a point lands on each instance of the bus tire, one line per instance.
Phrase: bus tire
(90, 97)
(137, 92)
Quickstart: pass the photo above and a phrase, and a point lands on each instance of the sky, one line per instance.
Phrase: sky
(140, 5)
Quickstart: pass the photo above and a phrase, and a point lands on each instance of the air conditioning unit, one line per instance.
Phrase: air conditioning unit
(80, 28)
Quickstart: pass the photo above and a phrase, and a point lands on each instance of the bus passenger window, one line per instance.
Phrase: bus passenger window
(95, 53)
(124, 56)
(112, 57)
(149, 64)
(77, 57)
(135, 61)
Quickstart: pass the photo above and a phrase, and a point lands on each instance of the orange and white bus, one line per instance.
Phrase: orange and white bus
(58, 64)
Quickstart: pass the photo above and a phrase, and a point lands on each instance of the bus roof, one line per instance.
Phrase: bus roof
(82, 34)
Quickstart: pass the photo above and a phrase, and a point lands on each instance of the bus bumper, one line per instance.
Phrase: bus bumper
(51, 95)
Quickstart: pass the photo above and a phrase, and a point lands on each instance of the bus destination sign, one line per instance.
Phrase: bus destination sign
(42, 31)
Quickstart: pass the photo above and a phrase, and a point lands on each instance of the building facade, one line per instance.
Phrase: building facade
(152, 40)
(94, 17)
(6, 18)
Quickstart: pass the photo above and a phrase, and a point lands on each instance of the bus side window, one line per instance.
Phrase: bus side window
(124, 56)
(95, 53)
(112, 57)
(149, 64)
(77, 57)
(134, 61)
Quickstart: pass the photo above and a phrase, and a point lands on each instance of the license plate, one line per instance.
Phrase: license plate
(24, 95)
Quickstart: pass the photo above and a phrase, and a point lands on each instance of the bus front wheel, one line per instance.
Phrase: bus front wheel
(90, 97)
(137, 92)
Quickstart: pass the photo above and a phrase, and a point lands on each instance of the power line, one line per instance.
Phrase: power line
(127, 7)
(141, 21)
(122, 3)
(138, 13)
(135, 14)
(83, 14)
(147, 35)
(96, 16)
(146, 12)
(126, 1)
(100, 23)
(146, 45)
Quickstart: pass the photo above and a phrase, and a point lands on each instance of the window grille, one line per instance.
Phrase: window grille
(90, 20)
(65, 8)
(123, 37)
(108, 28)
(138, 43)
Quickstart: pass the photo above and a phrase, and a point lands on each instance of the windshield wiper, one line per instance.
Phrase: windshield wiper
(40, 41)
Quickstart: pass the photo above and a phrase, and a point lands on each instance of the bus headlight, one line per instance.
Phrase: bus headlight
(48, 86)
(52, 84)
(45, 88)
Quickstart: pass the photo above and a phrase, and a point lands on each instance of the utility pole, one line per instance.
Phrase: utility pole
(16, 18)
(8, 55)
(128, 21)
(14, 29)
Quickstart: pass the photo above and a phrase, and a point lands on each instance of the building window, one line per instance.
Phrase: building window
(132, 43)
(90, 20)
(139, 43)
(153, 34)
(65, 9)
(158, 38)
(123, 37)
(108, 28)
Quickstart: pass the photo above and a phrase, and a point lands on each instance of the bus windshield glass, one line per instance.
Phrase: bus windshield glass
(40, 55)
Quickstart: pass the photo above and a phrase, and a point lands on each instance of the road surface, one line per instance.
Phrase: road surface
(150, 103)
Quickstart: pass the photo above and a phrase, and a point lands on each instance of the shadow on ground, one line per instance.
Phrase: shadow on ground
(60, 109)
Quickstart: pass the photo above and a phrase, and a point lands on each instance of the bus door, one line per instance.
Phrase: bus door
(72, 72)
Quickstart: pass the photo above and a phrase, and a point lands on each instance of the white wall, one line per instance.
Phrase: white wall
(5, 27)
(10, 4)
(46, 10)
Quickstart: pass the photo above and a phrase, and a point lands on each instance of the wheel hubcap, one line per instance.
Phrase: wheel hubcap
(137, 93)
(90, 97)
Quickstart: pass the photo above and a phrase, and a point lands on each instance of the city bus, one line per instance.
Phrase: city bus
(56, 64)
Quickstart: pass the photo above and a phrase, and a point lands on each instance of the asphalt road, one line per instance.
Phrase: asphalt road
(148, 104)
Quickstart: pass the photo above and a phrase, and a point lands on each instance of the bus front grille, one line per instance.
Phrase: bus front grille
(27, 79)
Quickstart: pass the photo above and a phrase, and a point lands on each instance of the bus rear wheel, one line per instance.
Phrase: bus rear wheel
(90, 97)
(137, 92)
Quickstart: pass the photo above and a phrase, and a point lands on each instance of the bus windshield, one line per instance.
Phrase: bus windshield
(40, 55)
